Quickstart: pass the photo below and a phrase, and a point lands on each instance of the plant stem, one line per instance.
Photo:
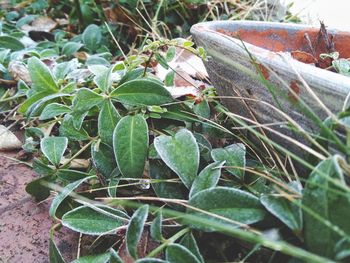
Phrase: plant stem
(155, 18)
(167, 242)
(12, 98)
(77, 154)
(79, 13)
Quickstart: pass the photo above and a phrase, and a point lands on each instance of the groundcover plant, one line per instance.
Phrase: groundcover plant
(144, 173)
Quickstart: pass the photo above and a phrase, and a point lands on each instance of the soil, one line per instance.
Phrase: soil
(24, 224)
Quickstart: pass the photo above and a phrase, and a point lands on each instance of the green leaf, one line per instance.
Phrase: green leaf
(131, 75)
(208, 178)
(101, 258)
(180, 153)
(289, 213)
(190, 43)
(31, 100)
(54, 254)
(176, 253)
(71, 175)
(66, 191)
(142, 92)
(135, 228)
(107, 120)
(78, 118)
(38, 188)
(38, 106)
(169, 79)
(92, 37)
(329, 202)
(151, 260)
(11, 43)
(204, 146)
(103, 159)
(62, 69)
(112, 185)
(114, 257)
(342, 249)
(86, 99)
(53, 148)
(3, 55)
(103, 80)
(70, 48)
(234, 155)
(230, 203)
(202, 109)
(156, 227)
(179, 113)
(130, 143)
(173, 190)
(91, 222)
(190, 243)
(42, 168)
(96, 60)
(41, 76)
(170, 54)
(52, 110)
(342, 66)
(67, 129)
(161, 60)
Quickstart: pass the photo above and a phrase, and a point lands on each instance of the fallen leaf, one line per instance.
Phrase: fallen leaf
(81, 55)
(177, 92)
(8, 141)
(303, 57)
(62, 21)
(18, 70)
(41, 23)
(77, 163)
(190, 74)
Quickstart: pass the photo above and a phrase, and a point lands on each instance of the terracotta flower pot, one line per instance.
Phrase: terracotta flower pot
(233, 73)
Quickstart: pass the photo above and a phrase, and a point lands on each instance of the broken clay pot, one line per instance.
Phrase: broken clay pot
(242, 55)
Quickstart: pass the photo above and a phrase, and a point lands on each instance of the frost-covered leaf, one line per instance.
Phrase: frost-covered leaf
(176, 253)
(41, 76)
(107, 120)
(233, 155)
(230, 203)
(130, 143)
(328, 201)
(88, 221)
(142, 92)
(208, 178)
(70, 48)
(289, 213)
(53, 148)
(180, 153)
(66, 191)
(135, 228)
(92, 37)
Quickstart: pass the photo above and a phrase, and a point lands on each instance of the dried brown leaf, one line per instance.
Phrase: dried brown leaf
(41, 23)
(18, 70)
(8, 141)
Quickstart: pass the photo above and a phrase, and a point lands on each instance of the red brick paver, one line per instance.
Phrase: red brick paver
(24, 224)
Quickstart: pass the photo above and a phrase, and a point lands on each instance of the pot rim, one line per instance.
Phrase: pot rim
(207, 32)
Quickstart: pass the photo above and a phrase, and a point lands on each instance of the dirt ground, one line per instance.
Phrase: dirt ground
(24, 224)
